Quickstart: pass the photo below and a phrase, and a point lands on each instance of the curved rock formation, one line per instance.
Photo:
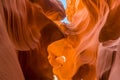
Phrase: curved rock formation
(9, 65)
(36, 45)
(108, 67)
(87, 18)
(53, 9)
(28, 28)
(81, 44)
(34, 63)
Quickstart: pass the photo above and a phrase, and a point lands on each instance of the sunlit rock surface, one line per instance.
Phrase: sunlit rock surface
(36, 45)
(91, 23)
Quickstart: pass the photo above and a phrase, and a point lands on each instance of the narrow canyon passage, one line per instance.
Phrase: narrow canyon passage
(59, 39)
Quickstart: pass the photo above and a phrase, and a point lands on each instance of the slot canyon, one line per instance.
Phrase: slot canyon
(59, 39)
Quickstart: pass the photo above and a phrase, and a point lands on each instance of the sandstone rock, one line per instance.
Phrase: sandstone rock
(36, 45)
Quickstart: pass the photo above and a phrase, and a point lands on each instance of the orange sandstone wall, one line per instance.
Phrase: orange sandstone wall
(35, 44)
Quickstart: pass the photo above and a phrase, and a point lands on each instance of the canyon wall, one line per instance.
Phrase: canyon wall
(35, 44)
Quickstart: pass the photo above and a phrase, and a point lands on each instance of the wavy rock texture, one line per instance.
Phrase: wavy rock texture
(30, 31)
(92, 22)
(108, 67)
(9, 65)
(53, 9)
(35, 44)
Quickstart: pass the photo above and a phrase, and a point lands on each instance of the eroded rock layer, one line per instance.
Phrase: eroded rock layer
(36, 45)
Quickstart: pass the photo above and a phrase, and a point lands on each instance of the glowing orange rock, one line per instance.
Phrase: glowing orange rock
(85, 49)
(61, 57)
(83, 32)
(83, 41)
